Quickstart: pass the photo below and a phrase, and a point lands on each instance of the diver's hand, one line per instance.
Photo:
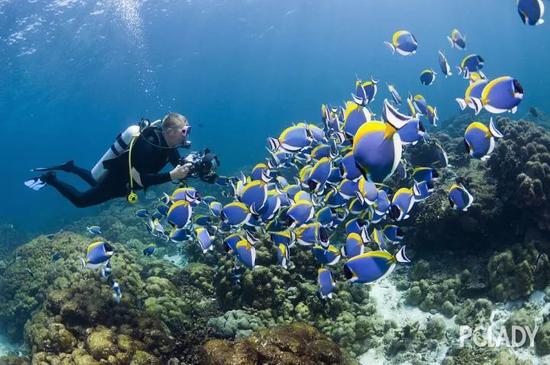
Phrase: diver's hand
(180, 172)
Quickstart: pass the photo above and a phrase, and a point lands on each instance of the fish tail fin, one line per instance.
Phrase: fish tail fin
(83, 262)
(401, 256)
(390, 46)
(273, 143)
(461, 103)
(541, 21)
(459, 69)
(493, 130)
(478, 106)
(451, 43)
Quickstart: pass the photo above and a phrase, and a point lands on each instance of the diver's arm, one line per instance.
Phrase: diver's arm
(148, 179)
(175, 157)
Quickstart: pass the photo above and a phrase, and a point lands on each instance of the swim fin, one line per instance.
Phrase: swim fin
(67, 166)
(35, 184)
(38, 183)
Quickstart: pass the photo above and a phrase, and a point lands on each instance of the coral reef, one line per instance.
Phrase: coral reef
(71, 318)
(297, 344)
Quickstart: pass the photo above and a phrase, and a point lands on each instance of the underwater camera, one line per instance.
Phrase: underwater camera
(203, 164)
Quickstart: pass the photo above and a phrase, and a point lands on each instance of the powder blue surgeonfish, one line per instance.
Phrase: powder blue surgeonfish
(480, 139)
(420, 174)
(300, 212)
(444, 65)
(433, 118)
(373, 266)
(459, 197)
(149, 250)
(457, 40)
(412, 132)
(355, 116)
(319, 174)
(393, 233)
(427, 77)
(98, 254)
(501, 95)
(403, 42)
(365, 91)
(283, 255)
(179, 214)
(292, 139)
(326, 256)
(348, 167)
(326, 283)
(254, 195)
(470, 63)
(422, 190)
(235, 213)
(531, 11)
(402, 203)
(205, 240)
(246, 253)
(377, 149)
(353, 246)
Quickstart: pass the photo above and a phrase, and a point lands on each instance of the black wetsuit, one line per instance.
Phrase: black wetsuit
(150, 154)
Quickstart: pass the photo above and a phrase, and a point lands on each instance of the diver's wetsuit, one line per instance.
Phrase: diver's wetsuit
(149, 155)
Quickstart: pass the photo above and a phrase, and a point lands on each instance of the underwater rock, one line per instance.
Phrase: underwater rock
(294, 344)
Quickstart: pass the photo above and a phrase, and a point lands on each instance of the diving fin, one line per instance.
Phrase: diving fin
(35, 184)
(63, 167)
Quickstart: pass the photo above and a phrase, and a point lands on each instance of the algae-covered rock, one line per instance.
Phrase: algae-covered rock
(542, 340)
(474, 312)
(100, 343)
(522, 318)
(435, 328)
(508, 279)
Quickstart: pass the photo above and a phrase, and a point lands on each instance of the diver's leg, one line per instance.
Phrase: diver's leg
(69, 166)
(84, 174)
(94, 196)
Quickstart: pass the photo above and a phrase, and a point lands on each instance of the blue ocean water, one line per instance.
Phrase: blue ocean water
(75, 73)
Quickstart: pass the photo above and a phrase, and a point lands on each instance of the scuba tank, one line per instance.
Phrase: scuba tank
(119, 146)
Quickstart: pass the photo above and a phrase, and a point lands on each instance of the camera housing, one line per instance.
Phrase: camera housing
(202, 164)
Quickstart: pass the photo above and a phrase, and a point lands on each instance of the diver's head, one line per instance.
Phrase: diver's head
(175, 130)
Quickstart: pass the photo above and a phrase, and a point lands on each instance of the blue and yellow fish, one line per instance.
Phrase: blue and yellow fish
(373, 266)
(480, 139)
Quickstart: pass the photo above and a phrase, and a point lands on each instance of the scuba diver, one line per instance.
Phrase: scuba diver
(133, 162)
